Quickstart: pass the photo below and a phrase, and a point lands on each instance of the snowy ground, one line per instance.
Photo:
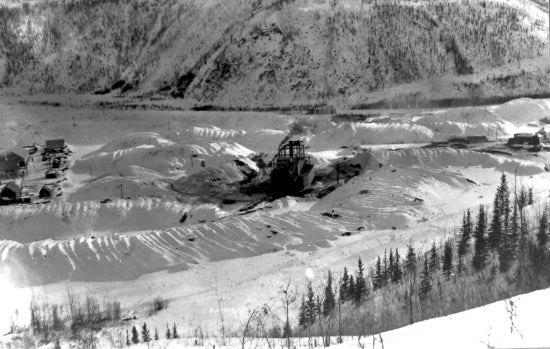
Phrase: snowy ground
(135, 248)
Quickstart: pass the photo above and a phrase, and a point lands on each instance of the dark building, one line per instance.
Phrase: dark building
(11, 192)
(54, 145)
(529, 140)
(12, 163)
(48, 191)
(292, 170)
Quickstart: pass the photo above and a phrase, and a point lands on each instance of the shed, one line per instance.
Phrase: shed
(10, 192)
(12, 162)
(48, 191)
(54, 145)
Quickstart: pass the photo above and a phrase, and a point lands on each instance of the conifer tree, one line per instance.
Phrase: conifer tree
(495, 233)
(447, 258)
(175, 334)
(302, 315)
(465, 233)
(168, 334)
(311, 306)
(390, 269)
(156, 334)
(480, 248)
(425, 281)
(360, 283)
(329, 300)
(351, 286)
(385, 269)
(145, 336)
(396, 276)
(377, 280)
(542, 234)
(57, 344)
(434, 263)
(127, 339)
(410, 260)
(135, 335)
(344, 286)
(530, 197)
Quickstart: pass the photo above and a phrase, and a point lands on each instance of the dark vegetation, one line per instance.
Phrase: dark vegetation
(500, 253)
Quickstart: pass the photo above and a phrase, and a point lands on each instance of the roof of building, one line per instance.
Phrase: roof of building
(12, 187)
(55, 143)
(10, 159)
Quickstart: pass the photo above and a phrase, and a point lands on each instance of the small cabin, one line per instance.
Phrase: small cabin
(52, 174)
(54, 145)
(11, 192)
(48, 191)
(12, 163)
(526, 139)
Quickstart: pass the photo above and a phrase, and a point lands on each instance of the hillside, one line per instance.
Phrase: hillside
(269, 53)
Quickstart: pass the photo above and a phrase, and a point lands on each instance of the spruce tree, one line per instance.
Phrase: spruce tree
(127, 339)
(175, 334)
(465, 234)
(57, 344)
(447, 258)
(495, 233)
(145, 336)
(390, 269)
(377, 280)
(396, 276)
(329, 300)
(385, 270)
(530, 197)
(480, 248)
(410, 261)
(344, 286)
(351, 286)
(135, 335)
(168, 334)
(434, 263)
(360, 283)
(425, 279)
(542, 234)
(311, 306)
(156, 334)
(302, 315)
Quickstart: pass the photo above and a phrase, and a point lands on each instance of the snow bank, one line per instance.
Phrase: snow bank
(523, 111)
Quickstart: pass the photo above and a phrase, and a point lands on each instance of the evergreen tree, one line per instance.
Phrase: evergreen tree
(168, 334)
(434, 263)
(344, 286)
(410, 261)
(287, 330)
(175, 334)
(390, 269)
(360, 283)
(385, 273)
(447, 258)
(57, 324)
(425, 281)
(465, 233)
(480, 248)
(351, 286)
(145, 336)
(377, 281)
(542, 234)
(495, 233)
(311, 306)
(302, 315)
(127, 339)
(329, 301)
(156, 334)
(396, 275)
(135, 335)
(57, 344)
(530, 197)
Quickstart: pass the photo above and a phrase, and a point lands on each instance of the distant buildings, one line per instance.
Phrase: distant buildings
(54, 145)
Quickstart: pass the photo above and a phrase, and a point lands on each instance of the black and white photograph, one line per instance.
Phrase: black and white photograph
(275, 174)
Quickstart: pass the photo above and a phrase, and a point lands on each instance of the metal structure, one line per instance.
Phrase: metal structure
(292, 170)
(526, 140)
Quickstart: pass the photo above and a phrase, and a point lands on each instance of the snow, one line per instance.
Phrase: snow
(134, 248)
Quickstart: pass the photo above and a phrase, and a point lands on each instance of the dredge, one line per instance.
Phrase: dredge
(292, 171)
